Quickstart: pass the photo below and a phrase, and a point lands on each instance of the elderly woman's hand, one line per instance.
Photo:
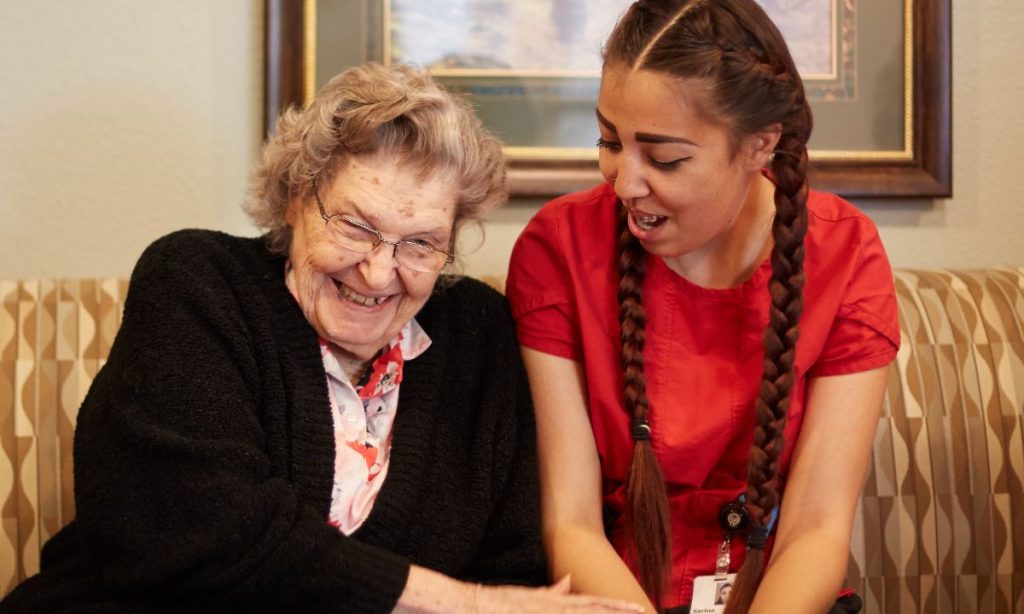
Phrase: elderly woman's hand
(509, 599)
(428, 592)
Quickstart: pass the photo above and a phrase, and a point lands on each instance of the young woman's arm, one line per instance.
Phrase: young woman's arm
(808, 563)
(570, 477)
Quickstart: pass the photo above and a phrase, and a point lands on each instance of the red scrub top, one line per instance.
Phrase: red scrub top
(702, 352)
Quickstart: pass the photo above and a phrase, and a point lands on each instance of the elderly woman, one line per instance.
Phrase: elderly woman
(315, 420)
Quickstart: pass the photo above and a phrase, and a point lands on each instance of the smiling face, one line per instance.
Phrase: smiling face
(685, 181)
(357, 301)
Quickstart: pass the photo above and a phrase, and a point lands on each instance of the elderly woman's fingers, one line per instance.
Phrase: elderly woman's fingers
(428, 592)
(507, 600)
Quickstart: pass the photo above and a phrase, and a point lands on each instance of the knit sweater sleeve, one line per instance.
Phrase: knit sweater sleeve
(179, 450)
(511, 550)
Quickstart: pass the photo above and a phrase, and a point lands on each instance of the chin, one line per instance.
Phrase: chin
(362, 352)
(662, 249)
(363, 349)
(364, 344)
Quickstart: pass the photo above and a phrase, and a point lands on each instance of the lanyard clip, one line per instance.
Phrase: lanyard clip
(733, 517)
(722, 562)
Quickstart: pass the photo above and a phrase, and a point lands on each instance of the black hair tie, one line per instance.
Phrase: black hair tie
(757, 538)
(640, 430)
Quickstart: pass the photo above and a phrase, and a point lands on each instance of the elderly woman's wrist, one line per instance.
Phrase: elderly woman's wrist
(428, 591)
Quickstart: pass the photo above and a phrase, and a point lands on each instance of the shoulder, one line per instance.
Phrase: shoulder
(849, 275)
(204, 270)
(578, 208)
(459, 297)
(828, 213)
(837, 230)
(201, 253)
(202, 245)
(567, 227)
(467, 313)
(471, 331)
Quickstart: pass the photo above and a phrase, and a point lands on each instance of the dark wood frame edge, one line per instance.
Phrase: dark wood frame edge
(927, 174)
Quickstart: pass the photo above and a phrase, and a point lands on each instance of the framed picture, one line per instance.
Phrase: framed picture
(877, 73)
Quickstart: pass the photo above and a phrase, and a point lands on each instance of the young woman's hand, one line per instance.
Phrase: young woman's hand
(429, 592)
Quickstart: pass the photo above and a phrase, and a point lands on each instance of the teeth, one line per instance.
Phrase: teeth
(355, 297)
(647, 222)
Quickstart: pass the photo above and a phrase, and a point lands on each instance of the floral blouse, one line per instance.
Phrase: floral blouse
(363, 416)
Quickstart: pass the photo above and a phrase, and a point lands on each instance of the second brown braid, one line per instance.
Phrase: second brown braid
(646, 510)
(771, 407)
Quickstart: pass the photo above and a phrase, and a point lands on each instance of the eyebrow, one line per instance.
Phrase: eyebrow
(438, 232)
(645, 137)
(354, 209)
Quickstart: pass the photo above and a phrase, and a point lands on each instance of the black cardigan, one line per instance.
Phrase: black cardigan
(204, 452)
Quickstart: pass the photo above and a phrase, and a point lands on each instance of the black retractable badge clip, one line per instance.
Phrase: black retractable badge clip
(733, 517)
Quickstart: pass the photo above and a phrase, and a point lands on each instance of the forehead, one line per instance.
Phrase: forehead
(382, 190)
(652, 102)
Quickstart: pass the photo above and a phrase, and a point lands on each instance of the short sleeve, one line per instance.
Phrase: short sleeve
(865, 334)
(540, 290)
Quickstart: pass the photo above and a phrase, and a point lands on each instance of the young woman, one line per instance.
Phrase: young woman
(706, 338)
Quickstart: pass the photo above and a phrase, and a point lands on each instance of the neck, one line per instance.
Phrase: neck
(353, 366)
(733, 256)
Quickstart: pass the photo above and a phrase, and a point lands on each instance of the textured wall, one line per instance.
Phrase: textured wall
(122, 120)
(983, 224)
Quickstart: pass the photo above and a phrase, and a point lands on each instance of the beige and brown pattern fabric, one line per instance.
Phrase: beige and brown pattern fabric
(54, 337)
(940, 526)
(941, 523)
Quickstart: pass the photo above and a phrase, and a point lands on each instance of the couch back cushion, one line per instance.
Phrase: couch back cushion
(940, 524)
(54, 337)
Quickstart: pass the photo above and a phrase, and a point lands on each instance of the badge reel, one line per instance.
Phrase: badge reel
(711, 593)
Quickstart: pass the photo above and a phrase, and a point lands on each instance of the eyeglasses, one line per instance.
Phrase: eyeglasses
(360, 237)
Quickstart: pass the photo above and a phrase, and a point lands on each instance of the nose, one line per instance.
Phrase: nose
(628, 178)
(379, 266)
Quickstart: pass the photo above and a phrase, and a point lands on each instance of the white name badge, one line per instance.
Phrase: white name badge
(711, 593)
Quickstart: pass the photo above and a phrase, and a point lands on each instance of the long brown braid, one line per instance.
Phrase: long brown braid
(646, 511)
(733, 47)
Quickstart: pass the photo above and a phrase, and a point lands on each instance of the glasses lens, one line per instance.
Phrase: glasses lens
(420, 257)
(351, 236)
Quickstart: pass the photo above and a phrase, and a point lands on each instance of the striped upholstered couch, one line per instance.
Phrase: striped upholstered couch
(941, 522)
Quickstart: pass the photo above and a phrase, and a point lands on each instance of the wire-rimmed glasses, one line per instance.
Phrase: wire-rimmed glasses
(360, 237)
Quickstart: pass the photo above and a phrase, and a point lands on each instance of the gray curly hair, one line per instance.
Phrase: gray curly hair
(372, 109)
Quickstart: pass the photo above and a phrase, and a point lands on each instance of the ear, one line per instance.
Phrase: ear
(760, 145)
(294, 211)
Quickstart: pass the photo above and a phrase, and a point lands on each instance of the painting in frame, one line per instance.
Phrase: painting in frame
(876, 71)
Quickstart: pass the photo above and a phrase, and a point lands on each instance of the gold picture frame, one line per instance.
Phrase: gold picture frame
(918, 108)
